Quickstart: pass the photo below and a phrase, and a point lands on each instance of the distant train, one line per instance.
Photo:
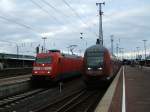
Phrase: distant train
(56, 66)
(99, 65)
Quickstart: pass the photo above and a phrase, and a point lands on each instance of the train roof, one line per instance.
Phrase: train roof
(15, 56)
(101, 48)
(96, 47)
(64, 54)
(70, 56)
(53, 51)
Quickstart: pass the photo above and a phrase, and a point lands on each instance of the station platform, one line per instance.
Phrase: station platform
(129, 91)
(137, 87)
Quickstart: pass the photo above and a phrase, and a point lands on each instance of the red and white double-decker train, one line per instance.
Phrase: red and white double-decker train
(99, 64)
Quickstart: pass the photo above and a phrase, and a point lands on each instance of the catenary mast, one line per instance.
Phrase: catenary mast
(100, 22)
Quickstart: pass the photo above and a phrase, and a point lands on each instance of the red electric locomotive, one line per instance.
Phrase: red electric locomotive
(99, 65)
(56, 66)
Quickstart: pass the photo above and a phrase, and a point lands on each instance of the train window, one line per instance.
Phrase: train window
(91, 54)
(44, 60)
(94, 59)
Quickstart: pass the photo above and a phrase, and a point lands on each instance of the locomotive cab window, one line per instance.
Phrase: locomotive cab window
(42, 60)
(94, 59)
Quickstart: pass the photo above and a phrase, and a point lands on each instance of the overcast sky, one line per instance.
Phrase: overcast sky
(24, 22)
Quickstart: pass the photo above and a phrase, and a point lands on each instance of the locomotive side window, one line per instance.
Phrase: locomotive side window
(43, 60)
(59, 60)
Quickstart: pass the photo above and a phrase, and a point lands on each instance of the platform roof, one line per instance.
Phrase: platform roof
(15, 56)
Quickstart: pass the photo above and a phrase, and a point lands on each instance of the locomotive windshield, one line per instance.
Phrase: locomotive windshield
(94, 59)
(43, 60)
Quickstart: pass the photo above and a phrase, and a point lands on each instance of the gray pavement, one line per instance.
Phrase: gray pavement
(137, 89)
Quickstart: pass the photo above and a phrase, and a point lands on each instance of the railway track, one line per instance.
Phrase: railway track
(12, 72)
(54, 105)
(7, 103)
(82, 101)
(12, 75)
(73, 97)
(15, 78)
(18, 102)
(32, 100)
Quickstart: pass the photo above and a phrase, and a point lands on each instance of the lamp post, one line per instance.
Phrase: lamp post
(121, 53)
(44, 45)
(117, 49)
(145, 47)
(112, 46)
(137, 52)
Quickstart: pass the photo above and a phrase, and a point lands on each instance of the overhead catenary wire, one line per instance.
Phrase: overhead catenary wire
(72, 10)
(27, 26)
(44, 10)
(18, 23)
(54, 8)
(60, 12)
(77, 15)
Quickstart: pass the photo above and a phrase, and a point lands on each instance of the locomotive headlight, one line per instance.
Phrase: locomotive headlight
(89, 68)
(100, 68)
(48, 72)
